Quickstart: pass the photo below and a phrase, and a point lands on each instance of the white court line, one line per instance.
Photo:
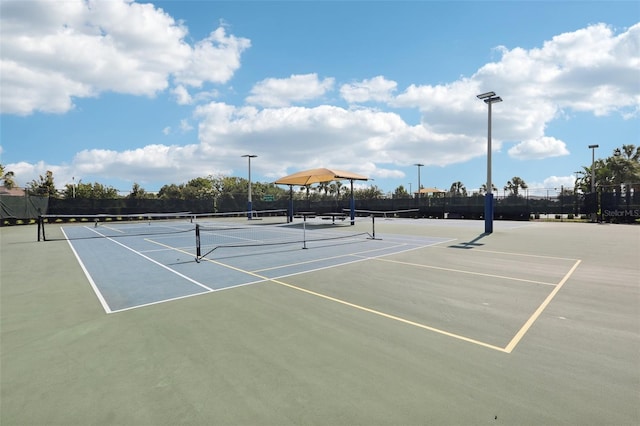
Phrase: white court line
(103, 302)
(158, 302)
(461, 271)
(360, 259)
(109, 227)
(539, 256)
(329, 258)
(99, 294)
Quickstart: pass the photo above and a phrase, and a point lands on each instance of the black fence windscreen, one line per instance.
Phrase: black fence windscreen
(14, 208)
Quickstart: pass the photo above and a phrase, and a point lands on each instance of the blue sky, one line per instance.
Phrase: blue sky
(118, 92)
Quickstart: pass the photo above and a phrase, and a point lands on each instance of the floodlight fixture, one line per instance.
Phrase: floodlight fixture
(486, 95)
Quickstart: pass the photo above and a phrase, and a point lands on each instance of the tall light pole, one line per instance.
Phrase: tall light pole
(593, 178)
(489, 98)
(419, 187)
(593, 167)
(249, 203)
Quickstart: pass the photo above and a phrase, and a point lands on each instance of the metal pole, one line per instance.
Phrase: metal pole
(488, 201)
(593, 179)
(489, 98)
(489, 183)
(419, 184)
(352, 206)
(249, 203)
(593, 167)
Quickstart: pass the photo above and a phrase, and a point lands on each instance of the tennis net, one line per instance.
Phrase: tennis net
(65, 227)
(212, 237)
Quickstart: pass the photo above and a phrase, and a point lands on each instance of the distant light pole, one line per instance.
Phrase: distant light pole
(249, 204)
(593, 166)
(489, 98)
(593, 178)
(419, 187)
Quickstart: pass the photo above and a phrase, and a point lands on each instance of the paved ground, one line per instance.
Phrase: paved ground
(537, 323)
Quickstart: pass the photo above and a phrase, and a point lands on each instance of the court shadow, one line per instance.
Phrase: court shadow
(471, 244)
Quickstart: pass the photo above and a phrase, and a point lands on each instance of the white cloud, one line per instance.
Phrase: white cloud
(53, 52)
(182, 95)
(185, 126)
(281, 92)
(214, 59)
(592, 70)
(26, 172)
(551, 186)
(362, 140)
(544, 147)
(150, 163)
(377, 89)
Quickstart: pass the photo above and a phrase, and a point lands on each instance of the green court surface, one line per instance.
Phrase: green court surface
(537, 323)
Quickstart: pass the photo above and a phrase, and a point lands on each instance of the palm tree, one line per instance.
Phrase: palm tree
(323, 187)
(483, 188)
(458, 188)
(623, 167)
(514, 185)
(335, 188)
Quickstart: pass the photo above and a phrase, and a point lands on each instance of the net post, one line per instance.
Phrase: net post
(198, 250)
(304, 233)
(373, 226)
(39, 226)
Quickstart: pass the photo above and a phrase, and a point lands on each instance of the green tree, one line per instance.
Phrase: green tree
(335, 188)
(483, 188)
(138, 192)
(620, 171)
(43, 186)
(7, 178)
(323, 187)
(458, 189)
(401, 192)
(171, 191)
(198, 188)
(104, 192)
(514, 186)
(370, 193)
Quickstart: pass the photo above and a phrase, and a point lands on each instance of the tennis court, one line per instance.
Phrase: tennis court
(131, 265)
(408, 321)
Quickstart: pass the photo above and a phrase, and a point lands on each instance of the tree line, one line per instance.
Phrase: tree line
(616, 173)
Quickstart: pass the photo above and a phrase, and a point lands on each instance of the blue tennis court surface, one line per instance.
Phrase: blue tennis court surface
(130, 271)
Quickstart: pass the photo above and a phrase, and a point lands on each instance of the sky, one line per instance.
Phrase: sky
(119, 92)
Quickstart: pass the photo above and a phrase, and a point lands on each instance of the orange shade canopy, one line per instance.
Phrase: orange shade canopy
(307, 177)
